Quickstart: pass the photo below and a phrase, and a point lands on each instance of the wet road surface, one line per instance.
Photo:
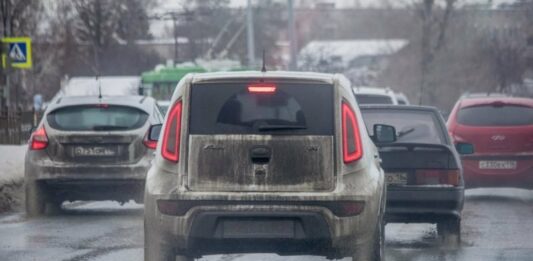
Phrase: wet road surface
(497, 225)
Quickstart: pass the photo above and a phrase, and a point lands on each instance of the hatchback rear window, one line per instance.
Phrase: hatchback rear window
(373, 99)
(289, 108)
(489, 115)
(97, 117)
(411, 126)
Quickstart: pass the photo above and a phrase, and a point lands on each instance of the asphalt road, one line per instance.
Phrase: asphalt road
(497, 225)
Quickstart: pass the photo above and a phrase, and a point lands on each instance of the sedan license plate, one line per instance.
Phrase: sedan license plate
(396, 178)
(497, 164)
(81, 151)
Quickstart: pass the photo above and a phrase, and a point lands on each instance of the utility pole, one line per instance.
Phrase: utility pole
(292, 36)
(250, 34)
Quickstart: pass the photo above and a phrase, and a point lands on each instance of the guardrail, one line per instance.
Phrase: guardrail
(16, 126)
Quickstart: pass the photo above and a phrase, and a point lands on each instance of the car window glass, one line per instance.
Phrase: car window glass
(411, 126)
(231, 109)
(97, 117)
(488, 115)
(373, 99)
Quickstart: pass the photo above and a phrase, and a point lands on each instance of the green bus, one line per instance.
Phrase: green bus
(160, 83)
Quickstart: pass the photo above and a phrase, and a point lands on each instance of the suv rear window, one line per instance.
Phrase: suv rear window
(411, 126)
(97, 117)
(489, 115)
(292, 109)
(373, 99)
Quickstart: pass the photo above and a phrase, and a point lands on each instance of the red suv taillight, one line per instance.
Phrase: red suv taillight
(172, 134)
(437, 177)
(39, 140)
(352, 149)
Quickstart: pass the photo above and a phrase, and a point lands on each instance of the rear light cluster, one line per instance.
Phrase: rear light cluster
(262, 88)
(150, 144)
(172, 134)
(437, 177)
(39, 139)
(351, 139)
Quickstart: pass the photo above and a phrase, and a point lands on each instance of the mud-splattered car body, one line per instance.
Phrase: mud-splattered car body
(71, 158)
(287, 190)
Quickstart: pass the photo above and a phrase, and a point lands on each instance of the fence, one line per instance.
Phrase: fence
(16, 126)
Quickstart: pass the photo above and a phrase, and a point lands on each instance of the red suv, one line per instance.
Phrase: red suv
(501, 130)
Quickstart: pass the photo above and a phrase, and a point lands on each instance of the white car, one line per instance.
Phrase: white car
(377, 95)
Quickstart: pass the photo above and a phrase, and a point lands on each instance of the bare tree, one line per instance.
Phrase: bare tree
(435, 21)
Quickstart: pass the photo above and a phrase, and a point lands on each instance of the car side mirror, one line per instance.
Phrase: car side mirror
(384, 133)
(154, 132)
(464, 148)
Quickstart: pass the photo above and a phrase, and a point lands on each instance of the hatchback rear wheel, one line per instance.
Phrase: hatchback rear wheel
(36, 198)
(449, 231)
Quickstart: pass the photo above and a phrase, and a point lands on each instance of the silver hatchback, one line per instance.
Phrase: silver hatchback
(265, 162)
(90, 148)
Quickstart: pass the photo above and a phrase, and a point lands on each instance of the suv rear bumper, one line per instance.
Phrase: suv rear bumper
(283, 229)
(423, 204)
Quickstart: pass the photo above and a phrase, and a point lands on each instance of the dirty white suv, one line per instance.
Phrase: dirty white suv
(276, 162)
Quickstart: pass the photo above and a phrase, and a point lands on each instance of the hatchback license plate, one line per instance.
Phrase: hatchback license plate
(94, 151)
(396, 178)
(500, 164)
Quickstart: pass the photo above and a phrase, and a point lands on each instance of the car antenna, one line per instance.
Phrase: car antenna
(99, 87)
(263, 68)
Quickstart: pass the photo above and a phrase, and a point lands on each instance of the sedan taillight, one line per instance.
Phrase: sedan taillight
(352, 149)
(172, 135)
(437, 177)
(39, 139)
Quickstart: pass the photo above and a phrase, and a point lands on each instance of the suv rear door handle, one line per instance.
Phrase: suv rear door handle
(260, 154)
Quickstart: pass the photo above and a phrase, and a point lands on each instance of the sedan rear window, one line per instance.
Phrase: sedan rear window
(489, 115)
(98, 117)
(286, 108)
(411, 126)
(373, 99)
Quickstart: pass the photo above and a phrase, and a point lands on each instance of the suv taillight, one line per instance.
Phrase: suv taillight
(437, 177)
(352, 149)
(171, 137)
(39, 140)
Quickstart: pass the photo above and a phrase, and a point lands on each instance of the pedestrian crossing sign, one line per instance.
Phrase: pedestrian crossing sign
(17, 52)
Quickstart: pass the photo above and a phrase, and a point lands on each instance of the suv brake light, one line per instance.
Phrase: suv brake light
(437, 177)
(172, 135)
(351, 139)
(262, 88)
(39, 139)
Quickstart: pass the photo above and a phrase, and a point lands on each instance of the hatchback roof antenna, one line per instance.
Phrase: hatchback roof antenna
(263, 68)
(99, 87)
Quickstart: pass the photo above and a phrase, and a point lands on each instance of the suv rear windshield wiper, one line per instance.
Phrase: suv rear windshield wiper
(268, 127)
(109, 127)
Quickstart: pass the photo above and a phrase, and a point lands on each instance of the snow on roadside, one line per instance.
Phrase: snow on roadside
(12, 162)
(11, 176)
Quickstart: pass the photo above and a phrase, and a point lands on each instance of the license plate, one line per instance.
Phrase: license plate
(396, 178)
(94, 151)
(497, 164)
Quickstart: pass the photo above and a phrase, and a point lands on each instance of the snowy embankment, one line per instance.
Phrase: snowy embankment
(11, 175)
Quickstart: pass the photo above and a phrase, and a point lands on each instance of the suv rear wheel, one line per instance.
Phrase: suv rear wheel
(156, 251)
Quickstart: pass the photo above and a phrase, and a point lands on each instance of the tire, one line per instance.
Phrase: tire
(36, 198)
(156, 251)
(449, 232)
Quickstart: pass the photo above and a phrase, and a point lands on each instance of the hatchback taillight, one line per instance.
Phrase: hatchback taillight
(150, 144)
(437, 177)
(352, 149)
(39, 140)
(171, 137)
